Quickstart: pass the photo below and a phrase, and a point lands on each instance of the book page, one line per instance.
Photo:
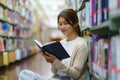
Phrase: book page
(38, 43)
(49, 43)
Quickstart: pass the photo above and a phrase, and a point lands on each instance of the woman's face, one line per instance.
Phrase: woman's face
(65, 27)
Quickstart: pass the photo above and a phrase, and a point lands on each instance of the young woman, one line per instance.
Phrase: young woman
(71, 68)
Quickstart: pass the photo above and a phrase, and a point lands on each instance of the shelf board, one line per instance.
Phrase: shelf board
(85, 28)
(103, 28)
(4, 36)
(14, 37)
(2, 20)
(82, 5)
(7, 50)
(4, 6)
(95, 76)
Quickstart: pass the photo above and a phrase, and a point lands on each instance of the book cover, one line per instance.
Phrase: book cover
(54, 48)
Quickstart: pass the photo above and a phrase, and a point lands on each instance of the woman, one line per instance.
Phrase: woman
(71, 68)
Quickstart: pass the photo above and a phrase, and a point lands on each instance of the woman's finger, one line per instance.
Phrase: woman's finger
(48, 54)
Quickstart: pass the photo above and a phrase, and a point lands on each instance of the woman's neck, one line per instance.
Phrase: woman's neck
(72, 37)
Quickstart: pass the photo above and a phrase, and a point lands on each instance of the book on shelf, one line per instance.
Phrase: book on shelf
(87, 14)
(54, 48)
(1, 44)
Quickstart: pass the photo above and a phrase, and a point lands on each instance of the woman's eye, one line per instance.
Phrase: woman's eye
(59, 24)
(65, 23)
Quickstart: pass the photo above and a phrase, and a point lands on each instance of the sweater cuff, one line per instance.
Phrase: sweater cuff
(57, 65)
(55, 61)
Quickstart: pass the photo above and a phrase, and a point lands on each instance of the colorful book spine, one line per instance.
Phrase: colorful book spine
(95, 12)
(92, 12)
(1, 12)
(109, 61)
(11, 56)
(99, 13)
(83, 18)
(3, 1)
(1, 58)
(18, 54)
(5, 58)
(1, 28)
(5, 28)
(104, 7)
(118, 57)
(100, 48)
(118, 4)
(1, 44)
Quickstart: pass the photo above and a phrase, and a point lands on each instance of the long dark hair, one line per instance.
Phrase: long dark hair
(71, 17)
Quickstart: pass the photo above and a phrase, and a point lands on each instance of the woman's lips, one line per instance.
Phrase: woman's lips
(64, 30)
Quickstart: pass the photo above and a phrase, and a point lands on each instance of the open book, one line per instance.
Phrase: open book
(54, 48)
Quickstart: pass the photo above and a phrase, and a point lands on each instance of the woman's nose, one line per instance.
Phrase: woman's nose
(62, 26)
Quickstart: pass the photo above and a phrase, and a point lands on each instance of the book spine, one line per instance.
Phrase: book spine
(87, 14)
(104, 7)
(92, 12)
(1, 44)
(95, 12)
(113, 45)
(118, 1)
(114, 56)
(5, 59)
(112, 6)
(109, 61)
(99, 12)
(117, 57)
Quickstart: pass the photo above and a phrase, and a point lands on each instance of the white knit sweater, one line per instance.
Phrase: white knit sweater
(76, 67)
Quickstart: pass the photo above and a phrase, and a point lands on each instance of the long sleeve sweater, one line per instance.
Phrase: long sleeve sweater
(76, 68)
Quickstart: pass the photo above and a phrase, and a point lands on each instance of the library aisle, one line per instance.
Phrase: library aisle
(35, 63)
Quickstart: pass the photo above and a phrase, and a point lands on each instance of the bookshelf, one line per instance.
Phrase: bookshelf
(103, 28)
(100, 24)
(95, 76)
(15, 31)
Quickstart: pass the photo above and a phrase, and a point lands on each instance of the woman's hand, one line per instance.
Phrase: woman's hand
(49, 57)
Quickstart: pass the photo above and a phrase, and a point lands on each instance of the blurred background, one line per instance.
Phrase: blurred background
(46, 14)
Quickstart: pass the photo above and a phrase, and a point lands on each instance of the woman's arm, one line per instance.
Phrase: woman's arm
(76, 67)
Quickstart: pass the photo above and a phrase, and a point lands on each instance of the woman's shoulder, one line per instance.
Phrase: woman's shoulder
(82, 41)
